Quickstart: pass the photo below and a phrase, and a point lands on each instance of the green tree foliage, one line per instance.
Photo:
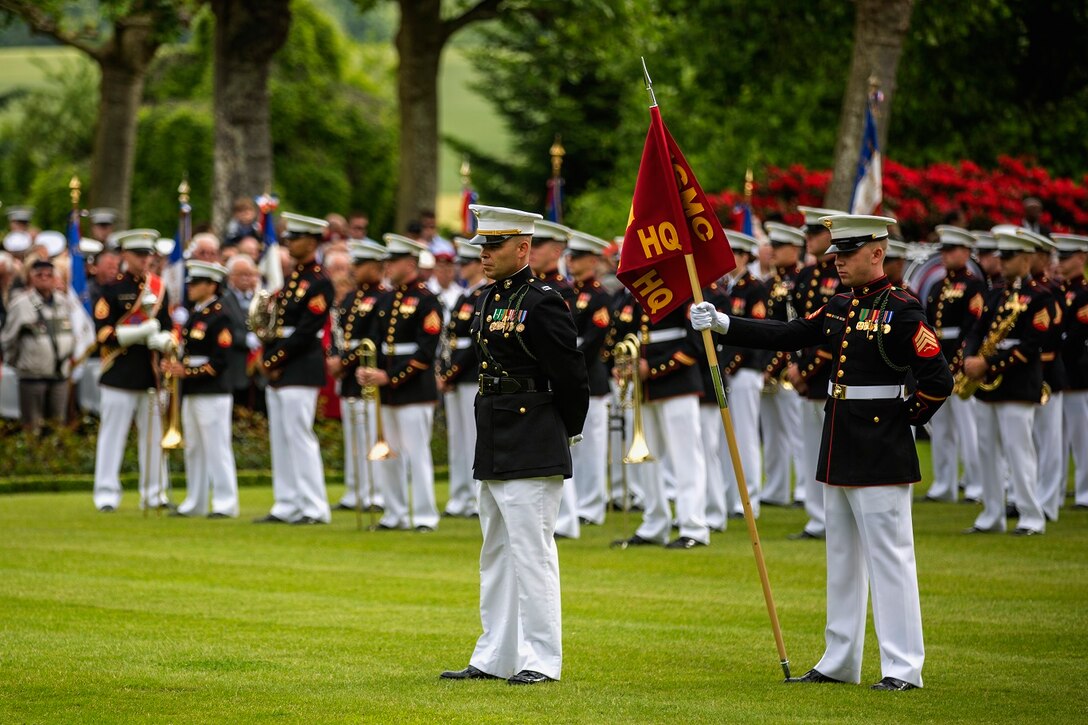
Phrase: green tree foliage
(333, 130)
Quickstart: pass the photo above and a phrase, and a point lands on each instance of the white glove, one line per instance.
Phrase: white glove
(161, 341)
(252, 341)
(180, 315)
(129, 335)
(574, 440)
(704, 317)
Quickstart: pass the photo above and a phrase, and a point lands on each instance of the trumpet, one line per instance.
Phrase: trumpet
(368, 358)
(626, 355)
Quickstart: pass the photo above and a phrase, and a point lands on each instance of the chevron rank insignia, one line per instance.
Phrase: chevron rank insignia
(432, 323)
(925, 342)
(1041, 321)
(224, 338)
(1082, 314)
(101, 309)
(975, 305)
(317, 305)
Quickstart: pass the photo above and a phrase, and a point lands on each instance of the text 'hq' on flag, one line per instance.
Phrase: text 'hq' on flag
(670, 218)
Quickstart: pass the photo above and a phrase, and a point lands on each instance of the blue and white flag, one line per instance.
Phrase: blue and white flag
(79, 270)
(868, 184)
(173, 274)
(269, 266)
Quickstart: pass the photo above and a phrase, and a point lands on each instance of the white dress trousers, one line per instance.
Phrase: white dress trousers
(1075, 433)
(714, 450)
(1053, 470)
(745, 388)
(119, 407)
(566, 523)
(954, 438)
(520, 606)
(359, 423)
(589, 461)
(780, 424)
(298, 475)
(1008, 427)
(209, 457)
(673, 432)
(812, 430)
(870, 548)
(407, 481)
(88, 391)
(461, 434)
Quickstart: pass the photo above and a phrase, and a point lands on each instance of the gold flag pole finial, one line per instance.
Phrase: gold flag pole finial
(183, 189)
(749, 185)
(557, 153)
(74, 188)
(466, 171)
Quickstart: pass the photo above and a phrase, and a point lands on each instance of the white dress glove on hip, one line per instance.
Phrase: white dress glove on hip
(704, 317)
(161, 341)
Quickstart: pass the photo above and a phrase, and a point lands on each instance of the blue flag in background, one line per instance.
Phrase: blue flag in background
(79, 270)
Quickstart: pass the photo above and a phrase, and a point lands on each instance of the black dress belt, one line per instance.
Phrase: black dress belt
(491, 385)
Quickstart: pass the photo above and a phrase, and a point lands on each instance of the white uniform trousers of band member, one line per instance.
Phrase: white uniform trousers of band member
(209, 457)
(1075, 432)
(673, 431)
(588, 460)
(780, 425)
(745, 387)
(714, 451)
(520, 607)
(298, 475)
(461, 434)
(870, 546)
(360, 425)
(1008, 427)
(954, 436)
(407, 481)
(812, 427)
(567, 525)
(118, 409)
(1053, 467)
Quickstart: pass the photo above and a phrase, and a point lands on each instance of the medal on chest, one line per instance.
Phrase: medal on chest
(870, 321)
(505, 320)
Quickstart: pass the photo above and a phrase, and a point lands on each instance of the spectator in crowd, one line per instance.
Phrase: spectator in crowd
(204, 248)
(429, 235)
(19, 219)
(103, 221)
(242, 279)
(243, 221)
(249, 246)
(338, 267)
(1033, 216)
(38, 342)
(104, 268)
(359, 226)
(241, 286)
(337, 231)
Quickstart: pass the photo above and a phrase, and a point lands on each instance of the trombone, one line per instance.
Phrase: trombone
(380, 451)
(626, 355)
(171, 437)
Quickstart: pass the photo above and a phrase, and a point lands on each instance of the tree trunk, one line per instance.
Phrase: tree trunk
(248, 33)
(880, 28)
(123, 61)
(420, 41)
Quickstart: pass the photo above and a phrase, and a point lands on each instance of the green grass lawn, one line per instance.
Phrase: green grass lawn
(121, 618)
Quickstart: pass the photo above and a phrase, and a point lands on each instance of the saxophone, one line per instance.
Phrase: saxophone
(263, 318)
(964, 386)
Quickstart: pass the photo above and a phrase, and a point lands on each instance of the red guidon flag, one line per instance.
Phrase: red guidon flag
(670, 218)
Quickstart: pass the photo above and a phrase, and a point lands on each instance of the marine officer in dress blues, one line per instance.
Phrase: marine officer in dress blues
(131, 309)
(953, 308)
(355, 320)
(200, 364)
(549, 241)
(867, 459)
(780, 406)
(458, 381)
(409, 325)
(532, 402)
(294, 364)
(1072, 258)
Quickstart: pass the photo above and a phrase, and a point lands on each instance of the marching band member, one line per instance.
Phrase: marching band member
(549, 241)
(1072, 257)
(953, 308)
(206, 397)
(810, 374)
(131, 309)
(589, 307)
(294, 364)
(458, 373)
(744, 370)
(780, 408)
(716, 461)
(409, 325)
(355, 321)
(1007, 342)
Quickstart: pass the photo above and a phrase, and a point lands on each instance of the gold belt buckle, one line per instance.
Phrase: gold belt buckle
(838, 392)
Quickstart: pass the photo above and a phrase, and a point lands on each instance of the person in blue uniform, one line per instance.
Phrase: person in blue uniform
(294, 364)
(1072, 258)
(532, 402)
(868, 460)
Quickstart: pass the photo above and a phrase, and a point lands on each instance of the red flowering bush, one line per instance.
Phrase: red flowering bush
(922, 198)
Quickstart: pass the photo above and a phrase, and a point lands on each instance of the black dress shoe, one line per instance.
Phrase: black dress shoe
(893, 684)
(344, 507)
(805, 534)
(557, 536)
(107, 509)
(307, 521)
(218, 515)
(965, 499)
(424, 529)
(977, 530)
(529, 677)
(736, 515)
(269, 519)
(586, 522)
(1076, 507)
(635, 540)
(1025, 532)
(814, 677)
(387, 527)
(1011, 511)
(684, 542)
(469, 673)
